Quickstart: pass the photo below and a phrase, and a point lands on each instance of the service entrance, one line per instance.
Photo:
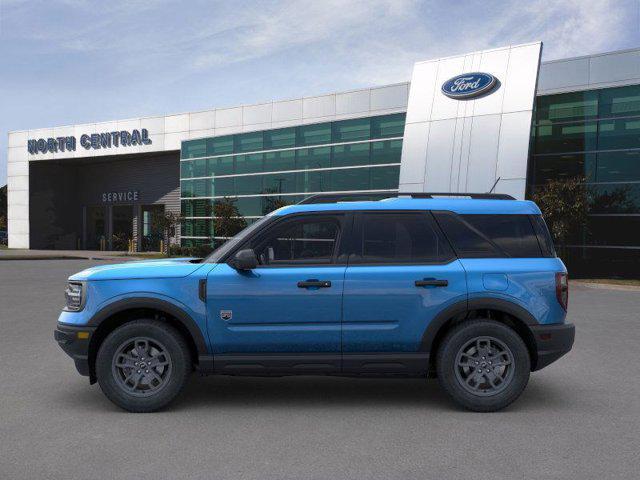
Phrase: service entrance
(121, 227)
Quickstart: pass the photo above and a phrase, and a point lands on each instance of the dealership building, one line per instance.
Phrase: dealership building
(496, 119)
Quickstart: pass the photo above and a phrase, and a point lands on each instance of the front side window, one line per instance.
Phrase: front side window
(397, 238)
(306, 240)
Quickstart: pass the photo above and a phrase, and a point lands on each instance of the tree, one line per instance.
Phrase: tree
(228, 220)
(565, 205)
(165, 223)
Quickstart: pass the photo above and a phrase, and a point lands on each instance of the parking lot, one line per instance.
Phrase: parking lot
(579, 418)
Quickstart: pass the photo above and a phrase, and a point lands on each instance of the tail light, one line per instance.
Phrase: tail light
(562, 289)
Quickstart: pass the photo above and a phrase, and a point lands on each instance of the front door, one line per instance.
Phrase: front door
(401, 274)
(285, 314)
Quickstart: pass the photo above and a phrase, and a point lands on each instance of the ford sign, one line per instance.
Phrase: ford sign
(469, 85)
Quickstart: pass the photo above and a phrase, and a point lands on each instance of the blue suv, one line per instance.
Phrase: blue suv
(464, 288)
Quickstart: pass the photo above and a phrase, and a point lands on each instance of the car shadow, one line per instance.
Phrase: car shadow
(302, 392)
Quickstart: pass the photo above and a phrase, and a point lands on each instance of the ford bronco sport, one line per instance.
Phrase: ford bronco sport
(466, 288)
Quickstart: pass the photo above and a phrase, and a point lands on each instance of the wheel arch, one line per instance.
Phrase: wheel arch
(123, 311)
(503, 311)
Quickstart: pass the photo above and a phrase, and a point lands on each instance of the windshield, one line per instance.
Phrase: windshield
(226, 247)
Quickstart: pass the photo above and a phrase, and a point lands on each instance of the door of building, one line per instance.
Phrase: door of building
(150, 232)
(121, 227)
(96, 227)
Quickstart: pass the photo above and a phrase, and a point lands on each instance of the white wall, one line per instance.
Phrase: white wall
(167, 133)
(465, 145)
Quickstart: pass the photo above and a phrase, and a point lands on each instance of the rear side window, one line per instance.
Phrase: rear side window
(544, 237)
(397, 238)
(485, 236)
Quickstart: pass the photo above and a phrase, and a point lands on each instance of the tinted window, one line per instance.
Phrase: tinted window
(400, 238)
(467, 241)
(300, 241)
(514, 234)
(491, 235)
(544, 238)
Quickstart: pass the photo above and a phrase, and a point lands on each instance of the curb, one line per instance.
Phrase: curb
(607, 286)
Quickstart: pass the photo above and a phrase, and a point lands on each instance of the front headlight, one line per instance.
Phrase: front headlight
(74, 296)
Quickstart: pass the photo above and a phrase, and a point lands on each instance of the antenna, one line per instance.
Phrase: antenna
(494, 185)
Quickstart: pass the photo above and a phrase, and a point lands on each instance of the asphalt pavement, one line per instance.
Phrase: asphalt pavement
(577, 419)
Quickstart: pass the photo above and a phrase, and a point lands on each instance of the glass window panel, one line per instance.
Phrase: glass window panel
(197, 228)
(274, 161)
(385, 178)
(352, 130)
(279, 183)
(614, 198)
(220, 145)
(193, 168)
(313, 134)
(613, 230)
(196, 208)
(618, 167)
(348, 179)
(554, 167)
(566, 137)
(615, 134)
(566, 107)
(250, 206)
(313, 181)
(248, 142)
(223, 187)
(249, 163)
(400, 238)
(194, 148)
(388, 151)
(186, 188)
(388, 126)
(347, 155)
(319, 157)
(221, 166)
(249, 185)
(280, 138)
(620, 102)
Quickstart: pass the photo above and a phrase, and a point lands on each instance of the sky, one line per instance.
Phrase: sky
(65, 62)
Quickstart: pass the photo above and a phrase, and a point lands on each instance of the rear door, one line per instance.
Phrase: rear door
(401, 274)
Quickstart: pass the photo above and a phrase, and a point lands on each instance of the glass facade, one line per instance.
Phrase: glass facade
(594, 135)
(268, 169)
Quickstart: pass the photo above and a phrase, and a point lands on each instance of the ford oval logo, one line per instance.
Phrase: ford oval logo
(469, 85)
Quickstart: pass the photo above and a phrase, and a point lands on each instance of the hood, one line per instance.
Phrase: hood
(164, 268)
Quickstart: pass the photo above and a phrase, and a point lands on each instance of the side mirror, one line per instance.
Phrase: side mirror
(245, 260)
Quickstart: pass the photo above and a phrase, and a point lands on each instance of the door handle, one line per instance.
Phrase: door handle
(313, 283)
(431, 282)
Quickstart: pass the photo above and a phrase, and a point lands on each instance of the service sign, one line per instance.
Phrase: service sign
(93, 141)
(469, 85)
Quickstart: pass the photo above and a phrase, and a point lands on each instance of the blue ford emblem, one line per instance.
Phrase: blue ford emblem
(468, 85)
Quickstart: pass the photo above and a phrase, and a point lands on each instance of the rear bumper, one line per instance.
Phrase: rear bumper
(77, 347)
(552, 342)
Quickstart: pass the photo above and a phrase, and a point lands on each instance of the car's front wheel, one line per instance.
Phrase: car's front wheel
(143, 365)
(483, 365)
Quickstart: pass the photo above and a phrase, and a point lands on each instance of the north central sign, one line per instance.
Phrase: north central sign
(93, 141)
(469, 85)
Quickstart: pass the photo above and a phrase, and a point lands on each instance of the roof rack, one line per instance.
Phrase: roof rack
(355, 197)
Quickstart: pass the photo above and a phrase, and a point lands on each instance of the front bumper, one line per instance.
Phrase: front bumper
(552, 342)
(75, 340)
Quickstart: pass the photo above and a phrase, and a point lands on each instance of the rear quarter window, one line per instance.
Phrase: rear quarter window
(486, 236)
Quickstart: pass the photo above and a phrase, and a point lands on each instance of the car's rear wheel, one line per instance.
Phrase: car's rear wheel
(483, 365)
(143, 365)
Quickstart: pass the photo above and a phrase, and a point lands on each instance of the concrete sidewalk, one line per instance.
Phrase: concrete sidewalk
(23, 254)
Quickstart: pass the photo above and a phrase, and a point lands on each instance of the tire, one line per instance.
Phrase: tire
(140, 383)
(502, 360)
